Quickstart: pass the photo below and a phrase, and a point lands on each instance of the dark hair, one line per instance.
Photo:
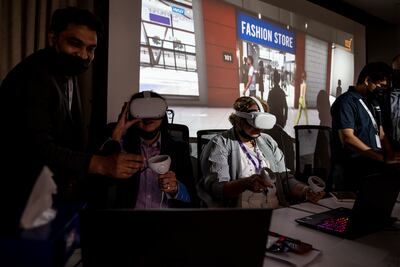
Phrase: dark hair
(63, 17)
(375, 71)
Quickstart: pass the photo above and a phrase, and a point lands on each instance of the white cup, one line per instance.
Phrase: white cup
(160, 164)
(316, 184)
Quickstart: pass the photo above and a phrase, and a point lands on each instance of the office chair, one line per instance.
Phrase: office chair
(286, 144)
(179, 132)
(203, 137)
(313, 152)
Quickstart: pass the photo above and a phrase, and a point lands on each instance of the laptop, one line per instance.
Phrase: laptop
(174, 237)
(371, 211)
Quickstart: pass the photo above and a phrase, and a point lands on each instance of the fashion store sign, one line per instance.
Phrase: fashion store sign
(258, 31)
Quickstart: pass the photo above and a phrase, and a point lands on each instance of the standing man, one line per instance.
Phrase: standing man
(41, 113)
(251, 82)
(360, 147)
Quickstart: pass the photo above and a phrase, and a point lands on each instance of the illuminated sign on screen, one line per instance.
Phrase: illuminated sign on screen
(178, 10)
(258, 31)
(226, 56)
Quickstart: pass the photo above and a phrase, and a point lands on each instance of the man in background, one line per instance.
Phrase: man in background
(360, 146)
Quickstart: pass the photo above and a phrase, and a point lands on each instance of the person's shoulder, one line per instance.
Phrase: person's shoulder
(37, 58)
(31, 65)
(222, 137)
(31, 70)
(347, 97)
(267, 138)
(345, 102)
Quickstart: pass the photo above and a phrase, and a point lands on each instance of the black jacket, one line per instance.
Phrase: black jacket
(114, 193)
(38, 127)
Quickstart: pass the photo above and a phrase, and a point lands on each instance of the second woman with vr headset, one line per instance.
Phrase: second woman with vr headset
(244, 167)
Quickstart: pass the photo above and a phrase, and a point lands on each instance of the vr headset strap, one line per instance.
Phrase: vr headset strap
(260, 106)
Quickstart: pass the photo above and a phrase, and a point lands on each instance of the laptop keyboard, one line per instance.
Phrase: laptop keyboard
(334, 224)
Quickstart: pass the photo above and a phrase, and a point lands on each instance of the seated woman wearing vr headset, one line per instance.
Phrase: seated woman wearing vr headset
(244, 167)
(142, 129)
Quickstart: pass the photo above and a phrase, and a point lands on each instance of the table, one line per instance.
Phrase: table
(377, 249)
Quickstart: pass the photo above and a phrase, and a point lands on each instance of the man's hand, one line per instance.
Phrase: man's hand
(121, 165)
(168, 182)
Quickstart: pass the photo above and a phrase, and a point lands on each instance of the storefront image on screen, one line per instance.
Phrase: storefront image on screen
(273, 51)
(167, 48)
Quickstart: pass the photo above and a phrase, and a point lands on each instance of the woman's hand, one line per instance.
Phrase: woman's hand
(312, 196)
(256, 183)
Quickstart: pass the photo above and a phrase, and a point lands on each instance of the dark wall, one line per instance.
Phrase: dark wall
(382, 38)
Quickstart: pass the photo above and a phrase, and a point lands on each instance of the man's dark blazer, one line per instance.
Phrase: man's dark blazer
(38, 126)
(113, 193)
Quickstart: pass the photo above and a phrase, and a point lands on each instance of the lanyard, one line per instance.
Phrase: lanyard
(70, 92)
(370, 115)
(244, 149)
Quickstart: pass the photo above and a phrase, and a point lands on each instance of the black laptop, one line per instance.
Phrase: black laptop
(371, 211)
(174, 237)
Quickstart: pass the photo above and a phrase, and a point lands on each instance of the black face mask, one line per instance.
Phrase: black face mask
(148, 135)
(379, 92)
(70, 65)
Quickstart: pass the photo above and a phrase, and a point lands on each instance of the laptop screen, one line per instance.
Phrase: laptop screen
(174, 237)
(374, 204)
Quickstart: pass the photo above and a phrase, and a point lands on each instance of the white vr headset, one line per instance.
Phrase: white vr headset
(258, 119)
(148, 107)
